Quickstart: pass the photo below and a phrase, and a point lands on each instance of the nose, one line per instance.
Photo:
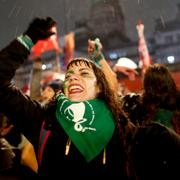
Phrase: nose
(73, 77)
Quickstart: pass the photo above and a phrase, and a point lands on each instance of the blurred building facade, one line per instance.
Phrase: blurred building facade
(167, 40)
(107, 22)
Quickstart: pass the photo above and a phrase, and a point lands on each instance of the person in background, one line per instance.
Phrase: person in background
(50, 89)
(44, 87)
(89, 134)
(17, 153)
(158, 102)
(145, 59)
(161, 97)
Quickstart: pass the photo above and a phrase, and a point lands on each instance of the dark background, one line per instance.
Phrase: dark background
(16, 14)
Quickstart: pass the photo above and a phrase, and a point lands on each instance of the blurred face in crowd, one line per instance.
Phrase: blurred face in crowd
(80, 82)
(91, 47)
(48, 93)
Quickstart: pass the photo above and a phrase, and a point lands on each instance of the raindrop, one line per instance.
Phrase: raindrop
(12, 11)
(18, 11)
(31, 15)
(162, 21)
(16, 32)
(140, 2)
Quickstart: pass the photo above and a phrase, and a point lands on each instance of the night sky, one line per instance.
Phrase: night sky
(16, 14)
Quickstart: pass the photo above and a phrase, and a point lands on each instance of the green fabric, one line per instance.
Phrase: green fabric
(96, 56)
(97, 59)
(164, 117)
(26, 41)
(89, 124)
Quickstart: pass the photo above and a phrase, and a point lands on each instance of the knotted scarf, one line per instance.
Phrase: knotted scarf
(89, 124)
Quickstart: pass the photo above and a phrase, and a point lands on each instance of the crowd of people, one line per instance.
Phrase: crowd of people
(87, 130)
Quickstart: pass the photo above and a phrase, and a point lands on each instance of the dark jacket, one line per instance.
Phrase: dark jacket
(28, 114)
(155, 153)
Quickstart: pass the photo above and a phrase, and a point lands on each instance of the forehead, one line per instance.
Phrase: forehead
(79, 64)
(91, 44)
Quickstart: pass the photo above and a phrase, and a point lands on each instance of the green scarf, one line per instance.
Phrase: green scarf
(164, 117)
(89, 124)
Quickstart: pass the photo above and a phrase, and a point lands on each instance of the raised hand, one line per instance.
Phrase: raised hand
(40, 28)
(95, 49)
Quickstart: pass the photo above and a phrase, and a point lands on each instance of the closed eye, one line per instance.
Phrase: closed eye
(85, 73)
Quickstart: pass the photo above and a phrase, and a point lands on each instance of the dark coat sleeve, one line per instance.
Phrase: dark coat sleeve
(25, 113)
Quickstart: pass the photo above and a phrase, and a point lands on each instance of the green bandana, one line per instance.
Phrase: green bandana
(89, 124)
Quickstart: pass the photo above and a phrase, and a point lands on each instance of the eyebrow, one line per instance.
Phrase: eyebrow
(82, 69)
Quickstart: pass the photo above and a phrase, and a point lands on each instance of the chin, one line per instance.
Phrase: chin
(76, 98)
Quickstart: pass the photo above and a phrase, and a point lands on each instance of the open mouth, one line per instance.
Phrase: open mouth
(75, 89)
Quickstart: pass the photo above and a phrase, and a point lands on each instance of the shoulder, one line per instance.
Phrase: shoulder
(155, 152)
(157, 134)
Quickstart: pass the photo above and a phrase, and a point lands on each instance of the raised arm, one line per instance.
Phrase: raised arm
(95, 53)
(23, 111)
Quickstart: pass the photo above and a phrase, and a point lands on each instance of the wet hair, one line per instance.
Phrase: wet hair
(160, 91)
(159, 87)
(105, 93)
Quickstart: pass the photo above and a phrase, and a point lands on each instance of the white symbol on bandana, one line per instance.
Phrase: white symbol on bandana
(77, 111)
